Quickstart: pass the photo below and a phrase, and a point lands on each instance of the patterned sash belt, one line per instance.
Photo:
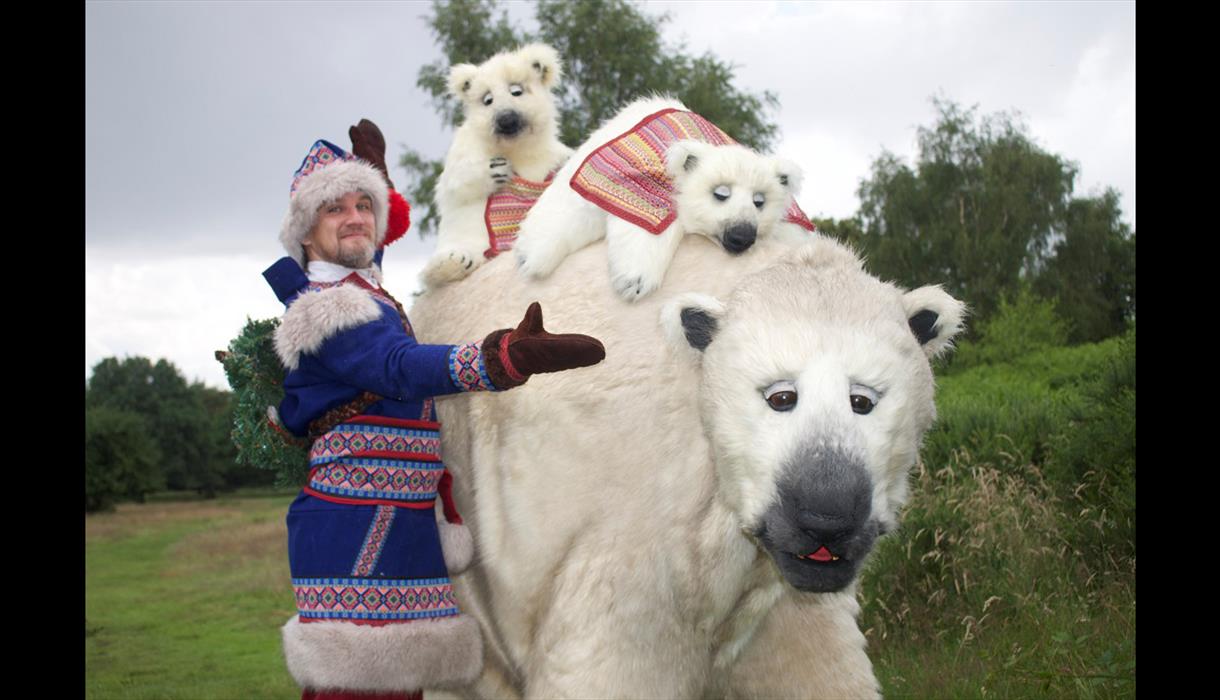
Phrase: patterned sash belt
(373, 460)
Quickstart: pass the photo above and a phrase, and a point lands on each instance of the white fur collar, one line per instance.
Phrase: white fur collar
(316, 316)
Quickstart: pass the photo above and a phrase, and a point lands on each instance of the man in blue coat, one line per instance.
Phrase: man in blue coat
(370, 564)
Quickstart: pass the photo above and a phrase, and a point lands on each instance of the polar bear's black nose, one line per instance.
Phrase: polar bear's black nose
(739, 237)
(508, 123)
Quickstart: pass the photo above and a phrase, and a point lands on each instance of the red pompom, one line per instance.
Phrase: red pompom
(400, 218)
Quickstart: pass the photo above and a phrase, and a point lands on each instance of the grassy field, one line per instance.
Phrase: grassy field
(185, 600)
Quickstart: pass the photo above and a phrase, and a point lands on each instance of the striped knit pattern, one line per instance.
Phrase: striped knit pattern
(374, 599)
(506, 209)
(626, 175)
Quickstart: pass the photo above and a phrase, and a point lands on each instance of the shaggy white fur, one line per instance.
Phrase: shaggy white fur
(316, 316)
(613, 506)
(511, 88)
(562, 221)
(444, 652)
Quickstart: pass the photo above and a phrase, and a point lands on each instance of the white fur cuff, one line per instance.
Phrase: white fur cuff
(437, 653)
(458, 546)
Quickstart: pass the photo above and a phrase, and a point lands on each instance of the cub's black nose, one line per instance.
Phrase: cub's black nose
(508, 123)
(739, 237)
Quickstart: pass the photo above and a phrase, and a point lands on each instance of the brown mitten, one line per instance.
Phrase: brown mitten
(512, 355)
(369, 145)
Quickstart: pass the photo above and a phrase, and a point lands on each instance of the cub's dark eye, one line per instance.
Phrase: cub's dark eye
(722, 192)
(516, 90)
(759, 200)
(781, 396)
(863, 399)
(487, 99)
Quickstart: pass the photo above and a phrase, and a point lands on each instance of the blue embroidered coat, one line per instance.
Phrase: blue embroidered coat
(363, 541)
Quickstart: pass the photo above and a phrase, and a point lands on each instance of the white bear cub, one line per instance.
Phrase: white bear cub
(631, 184)
(511, 127)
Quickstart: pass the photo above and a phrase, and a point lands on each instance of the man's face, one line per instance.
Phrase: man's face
(343, 233)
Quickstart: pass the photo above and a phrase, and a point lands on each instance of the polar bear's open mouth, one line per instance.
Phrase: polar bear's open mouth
(822, 555)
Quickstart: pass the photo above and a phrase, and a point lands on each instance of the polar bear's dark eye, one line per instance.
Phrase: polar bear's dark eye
(722, 192)
(759, 200)
(516, 90)
(487, 99)
(863, 399)
(781, 396)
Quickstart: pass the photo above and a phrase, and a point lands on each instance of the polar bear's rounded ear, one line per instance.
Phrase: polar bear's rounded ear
(683, 157)
(934, 317)
(691, 320)
(460, 77)
(789, 174)
(544, 61)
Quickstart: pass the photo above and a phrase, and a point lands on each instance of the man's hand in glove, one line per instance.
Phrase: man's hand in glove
(512, 355)
(369, 145)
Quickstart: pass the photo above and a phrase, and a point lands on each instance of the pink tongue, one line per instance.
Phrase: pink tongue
(822, 554)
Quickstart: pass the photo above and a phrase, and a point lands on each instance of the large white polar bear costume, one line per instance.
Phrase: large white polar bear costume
(648, 176)
(510, 128)
(687, 518)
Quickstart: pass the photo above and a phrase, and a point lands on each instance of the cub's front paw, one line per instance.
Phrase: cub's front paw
(537, 258)
(632, 285)
(501, 171)
(449, 266)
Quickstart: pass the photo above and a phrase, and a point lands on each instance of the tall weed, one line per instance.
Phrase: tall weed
(1013, 573)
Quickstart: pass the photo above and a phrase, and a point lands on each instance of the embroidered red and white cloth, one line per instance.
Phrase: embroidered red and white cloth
(506, 209)
(626, 175)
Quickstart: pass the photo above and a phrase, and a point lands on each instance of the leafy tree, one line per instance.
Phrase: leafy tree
(975, 213)
(174, 416)
(224, 472)
(1092, 269)
(120, 461)
(987, 212)
(612, 53)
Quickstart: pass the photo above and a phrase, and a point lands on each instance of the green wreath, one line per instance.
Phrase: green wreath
(257, 378)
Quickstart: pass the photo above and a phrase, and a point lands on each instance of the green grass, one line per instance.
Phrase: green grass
(1013, 574)
(185, 600)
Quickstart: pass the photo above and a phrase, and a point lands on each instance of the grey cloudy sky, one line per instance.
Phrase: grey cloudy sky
(196, 115)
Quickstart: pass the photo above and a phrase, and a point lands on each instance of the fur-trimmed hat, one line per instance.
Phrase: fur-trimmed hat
(326, 175)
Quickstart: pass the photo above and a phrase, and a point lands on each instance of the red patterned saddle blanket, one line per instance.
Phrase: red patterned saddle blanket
(626, 175)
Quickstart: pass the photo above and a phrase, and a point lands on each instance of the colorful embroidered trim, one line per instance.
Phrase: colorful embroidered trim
(355, 439)
(321, 154)
(506, 209)
(370, 551)
(386, 479)
(374, 599)
(466, 368)
(626, 175)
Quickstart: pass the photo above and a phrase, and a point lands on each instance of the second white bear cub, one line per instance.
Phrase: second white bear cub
(633, 184)
(511, 127)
